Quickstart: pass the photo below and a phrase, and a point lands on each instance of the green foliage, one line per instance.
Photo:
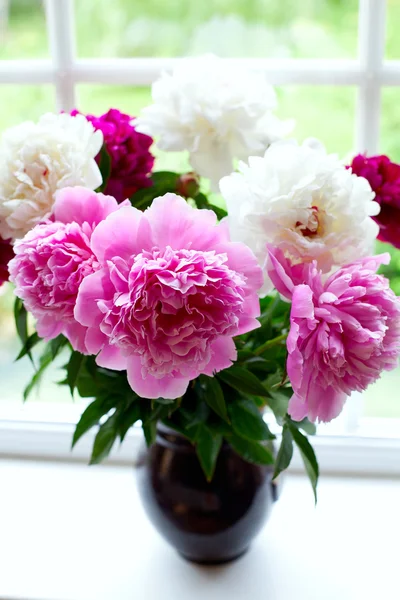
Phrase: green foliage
(307, 454)
(105, 167)
(247, 421)
(49, 353)
(285, 452)
(243, 381)
(254, 452)
(162, 183)
(208, 444)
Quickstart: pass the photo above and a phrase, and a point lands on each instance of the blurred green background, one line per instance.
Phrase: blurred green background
(231, 28)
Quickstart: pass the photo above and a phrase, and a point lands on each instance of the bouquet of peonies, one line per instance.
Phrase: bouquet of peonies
(174, 309)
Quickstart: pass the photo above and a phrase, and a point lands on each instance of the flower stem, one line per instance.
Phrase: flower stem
(271, 343)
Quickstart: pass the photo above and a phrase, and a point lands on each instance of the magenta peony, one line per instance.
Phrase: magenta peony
(343, 333)
(53, 259)
(6, 254)
(131, 159)
(384, 178)
(171, 293)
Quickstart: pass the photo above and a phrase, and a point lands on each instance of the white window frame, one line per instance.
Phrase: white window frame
(46, 432)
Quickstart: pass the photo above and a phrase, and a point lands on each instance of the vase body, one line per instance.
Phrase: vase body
(207, 522)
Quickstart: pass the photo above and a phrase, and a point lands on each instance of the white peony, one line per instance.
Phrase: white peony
(304, 201)
(216, 111)
(36, 160)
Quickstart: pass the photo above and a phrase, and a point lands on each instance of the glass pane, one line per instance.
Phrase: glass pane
(22, 29)
(253, 28)
(324, 112)
(15, 376)
(392, 29)
(97, 99)
(390, 140)
(23, 102)
(382, 398)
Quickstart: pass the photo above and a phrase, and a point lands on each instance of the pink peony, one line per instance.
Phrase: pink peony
(6, 254)
(343, 333)
(384, 178)
(131, 159)
(171, 293)
(53, 259)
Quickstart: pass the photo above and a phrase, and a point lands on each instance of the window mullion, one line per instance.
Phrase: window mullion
(61, 33)
(371, 33)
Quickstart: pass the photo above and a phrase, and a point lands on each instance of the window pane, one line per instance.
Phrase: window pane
(23, 102)
(390, 140)
(253, 28)
(15, 376)
(392, 29)
(22, 29)
(324, 112)
(382, 398)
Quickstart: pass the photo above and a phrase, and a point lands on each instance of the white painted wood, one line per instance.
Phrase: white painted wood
(371, 40)
(61, 32)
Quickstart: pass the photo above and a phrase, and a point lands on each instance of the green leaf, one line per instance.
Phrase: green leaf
(105, 167)
(128, 418)
(306, 426)
(308, 456)
(243, 381)
(285, 452)
(278, 403)
(214, 396)
(73, 369)
(150, 431)
(21, 320)
(163, 401)
(208, 445)
(247, 421)
(30, 343)
(58, 344)
(220, 212)
(162, 182)
(104, 440)
(259, 364)
(254, 452)
(91, 416)
(44, 361)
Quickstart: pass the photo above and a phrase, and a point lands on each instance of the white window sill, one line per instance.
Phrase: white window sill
(73, 532)
(43, 431)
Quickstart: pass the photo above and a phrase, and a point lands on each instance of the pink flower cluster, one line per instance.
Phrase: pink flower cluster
(129, 150)
(343, 332)
(53, 259)
(160, 294)
(384, 178)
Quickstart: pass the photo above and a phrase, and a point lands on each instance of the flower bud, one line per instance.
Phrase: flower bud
(188, 185)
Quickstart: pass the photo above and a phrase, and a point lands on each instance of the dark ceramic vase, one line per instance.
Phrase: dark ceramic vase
(208, 523)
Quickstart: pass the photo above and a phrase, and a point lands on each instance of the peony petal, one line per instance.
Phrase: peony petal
(242, 260)
(123, 233)
(302, 303)
(176, 224)
(298, 408)
(169, 387)
(279, 272)
(92, 289)
(223, 355)
(110, 357)
(76, 334)
(80, 205)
